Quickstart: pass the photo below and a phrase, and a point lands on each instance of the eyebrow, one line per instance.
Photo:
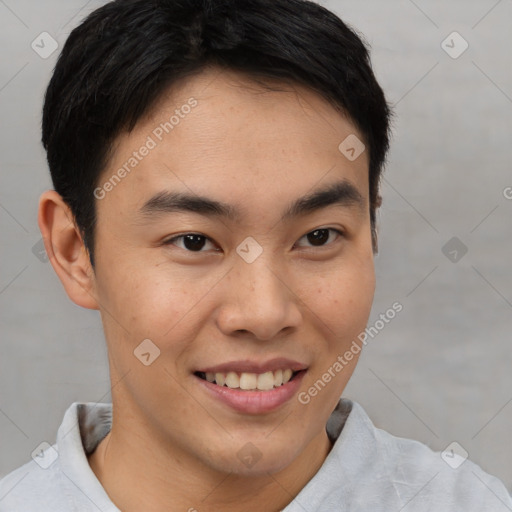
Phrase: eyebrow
(341, 193)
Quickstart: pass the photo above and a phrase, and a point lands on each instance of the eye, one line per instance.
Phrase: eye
(195, 242)
(192, 242)
(319, 237)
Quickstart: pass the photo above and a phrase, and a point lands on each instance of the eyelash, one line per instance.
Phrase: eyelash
(171, 240)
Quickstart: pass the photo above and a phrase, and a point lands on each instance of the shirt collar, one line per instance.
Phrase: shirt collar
(355, 464)
(83, 427)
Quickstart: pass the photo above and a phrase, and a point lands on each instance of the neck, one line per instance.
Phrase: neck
(140, 472)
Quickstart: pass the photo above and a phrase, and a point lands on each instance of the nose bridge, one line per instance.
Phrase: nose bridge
(256, 264)
(261, 279)
(258, 299)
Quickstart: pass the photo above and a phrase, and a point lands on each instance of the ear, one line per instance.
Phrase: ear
(66, 250)
(375, 238)
(375, 241)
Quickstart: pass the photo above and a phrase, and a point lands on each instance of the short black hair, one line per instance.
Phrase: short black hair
(119, 61)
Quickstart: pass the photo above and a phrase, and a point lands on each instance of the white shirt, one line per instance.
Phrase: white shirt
(367, 469)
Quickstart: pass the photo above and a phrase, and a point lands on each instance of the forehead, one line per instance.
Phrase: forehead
(220, 134)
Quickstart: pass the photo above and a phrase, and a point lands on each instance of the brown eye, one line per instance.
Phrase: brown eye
(191, 242)
(320, 237)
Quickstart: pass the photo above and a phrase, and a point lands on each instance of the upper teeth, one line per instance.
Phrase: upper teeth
(251, 381)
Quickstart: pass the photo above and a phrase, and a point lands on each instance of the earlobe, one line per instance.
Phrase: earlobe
(66, 250)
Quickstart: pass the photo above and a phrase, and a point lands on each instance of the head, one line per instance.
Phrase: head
(205, 202)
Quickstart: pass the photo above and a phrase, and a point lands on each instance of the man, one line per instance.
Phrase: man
(216, 168)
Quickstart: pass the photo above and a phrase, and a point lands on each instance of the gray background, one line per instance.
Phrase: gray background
(438, 372)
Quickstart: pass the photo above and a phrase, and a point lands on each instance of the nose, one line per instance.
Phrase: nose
(259, 300)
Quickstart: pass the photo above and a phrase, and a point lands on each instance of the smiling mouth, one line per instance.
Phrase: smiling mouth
(250, 381)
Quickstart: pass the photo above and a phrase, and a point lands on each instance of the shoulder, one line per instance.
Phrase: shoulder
(59, 478)
(36, 486)
(426, 479)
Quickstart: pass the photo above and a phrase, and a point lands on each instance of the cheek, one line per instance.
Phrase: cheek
(341, 304)
(143, 299)
(342, 299)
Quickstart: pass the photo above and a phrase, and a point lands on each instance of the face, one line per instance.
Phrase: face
(211, 247)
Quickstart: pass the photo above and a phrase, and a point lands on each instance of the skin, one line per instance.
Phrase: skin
(172, 446)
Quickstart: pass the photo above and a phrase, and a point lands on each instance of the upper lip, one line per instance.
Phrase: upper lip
(248, 366)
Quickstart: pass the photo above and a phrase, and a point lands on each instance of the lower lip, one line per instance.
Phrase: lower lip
(254, 402)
